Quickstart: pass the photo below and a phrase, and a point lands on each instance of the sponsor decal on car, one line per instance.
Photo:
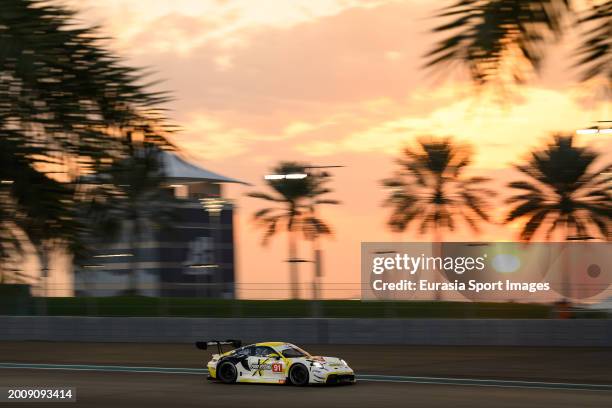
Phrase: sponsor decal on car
(260, 367)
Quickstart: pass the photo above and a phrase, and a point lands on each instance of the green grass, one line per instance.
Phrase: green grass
(199, 307)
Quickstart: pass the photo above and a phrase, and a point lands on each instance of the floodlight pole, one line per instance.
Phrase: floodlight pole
(214, 208)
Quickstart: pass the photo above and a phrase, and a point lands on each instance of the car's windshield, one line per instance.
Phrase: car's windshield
(291, 351)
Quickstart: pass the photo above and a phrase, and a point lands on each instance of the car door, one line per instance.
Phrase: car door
(241, 360)
(265, 365)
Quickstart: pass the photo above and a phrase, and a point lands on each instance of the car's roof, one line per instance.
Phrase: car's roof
(271, 343)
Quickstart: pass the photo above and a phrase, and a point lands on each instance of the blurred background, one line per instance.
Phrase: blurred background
(168, 158)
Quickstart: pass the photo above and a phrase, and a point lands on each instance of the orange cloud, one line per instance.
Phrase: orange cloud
(501, 133)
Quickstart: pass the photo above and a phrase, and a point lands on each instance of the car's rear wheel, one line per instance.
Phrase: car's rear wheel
(227, 372)
(298, 375)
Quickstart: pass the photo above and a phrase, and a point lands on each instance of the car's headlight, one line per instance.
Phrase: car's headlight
(343, 362)
(318, 365)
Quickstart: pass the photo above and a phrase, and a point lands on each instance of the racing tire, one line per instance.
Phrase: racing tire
(298, 375)
(227, 372)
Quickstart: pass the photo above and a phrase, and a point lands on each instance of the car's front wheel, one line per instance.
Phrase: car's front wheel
(227, 372)
(298, 375)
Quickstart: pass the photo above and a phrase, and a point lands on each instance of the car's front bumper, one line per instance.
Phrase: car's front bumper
(340, 375)
(340, 379)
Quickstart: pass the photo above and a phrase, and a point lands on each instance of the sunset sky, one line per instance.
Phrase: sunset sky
(330, 82)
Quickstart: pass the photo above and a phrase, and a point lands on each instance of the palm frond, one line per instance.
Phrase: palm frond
(595, 53)
(524, 185)
(470, 221)
(327, 201)
(314, 227)
(535, 221)
(476, 204)
(490, 37)
(265, 196)
(262, 213)
(531, 197)
(525, 208)
(270, 225)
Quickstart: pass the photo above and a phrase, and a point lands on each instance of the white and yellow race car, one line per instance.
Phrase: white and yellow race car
(274, 363)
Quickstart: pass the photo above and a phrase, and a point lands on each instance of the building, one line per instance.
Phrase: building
(193, 255)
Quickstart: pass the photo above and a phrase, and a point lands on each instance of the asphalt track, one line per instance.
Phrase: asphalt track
(129, 375)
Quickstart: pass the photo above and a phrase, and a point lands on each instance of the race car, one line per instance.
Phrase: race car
(274, 363)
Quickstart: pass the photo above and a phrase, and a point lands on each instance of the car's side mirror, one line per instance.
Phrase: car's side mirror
(274, 356)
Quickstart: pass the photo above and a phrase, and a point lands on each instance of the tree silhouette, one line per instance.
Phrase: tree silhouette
(296, 201)
(430, 190)
(595, 52)
(497, 39)
(67, 106)
(563, 192)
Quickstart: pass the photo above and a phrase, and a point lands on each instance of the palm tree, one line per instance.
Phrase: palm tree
(297, 199)
(67, 107)
(563, 193)
(497, 39)
(430, 190)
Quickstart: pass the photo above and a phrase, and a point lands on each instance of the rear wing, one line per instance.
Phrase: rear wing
(203, 345)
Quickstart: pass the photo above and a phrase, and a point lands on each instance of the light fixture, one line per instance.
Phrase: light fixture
(202, 266)
(213, 205)
(595, 129)
(588, 131)
(112, 255)
(274, 176)
(297, 176)
(200, 269)
(290, 176)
